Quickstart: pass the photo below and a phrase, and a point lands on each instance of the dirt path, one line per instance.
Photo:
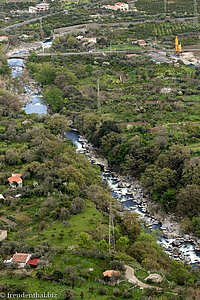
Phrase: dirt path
(131, 278)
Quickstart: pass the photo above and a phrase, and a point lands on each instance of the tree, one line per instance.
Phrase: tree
(13, 157)
(191, 171)
(45, 74)
(77, 206)
(106, 128)
(131, 225)
(146, 251)
(85, 240)
(168, 198)
(103, 245)
(174, 158)
(122, 243)
(159, 180)
(188, 201)
(65, 77)
(53, 96)
(71, 42)
(57, 124)
(118, 265)
(179, 272)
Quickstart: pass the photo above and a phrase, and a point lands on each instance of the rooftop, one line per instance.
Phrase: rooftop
(33, 262)
(110, 273)
(20, 257)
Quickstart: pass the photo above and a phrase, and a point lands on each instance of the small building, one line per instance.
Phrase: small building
(3, 39)
(119, 5)
(42, 6)
(131, 55)
(15, 180)
(2, 197)
(3, 235)
(32, 9)
(110, 273)
(122, 6)
(79, 37)
(141, 43)
(91, 40)
(39, 7)
(33, 262)
(20, 258)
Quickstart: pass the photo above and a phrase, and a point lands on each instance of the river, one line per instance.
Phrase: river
(129, 193)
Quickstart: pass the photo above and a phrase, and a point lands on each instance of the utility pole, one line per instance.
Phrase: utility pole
(196, 19)
(40, 23)
(98, 94)
(111, 228)
(165, 6)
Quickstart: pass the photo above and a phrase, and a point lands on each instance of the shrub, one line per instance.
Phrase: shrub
(117, 292)
(102, 291)
(69, 295)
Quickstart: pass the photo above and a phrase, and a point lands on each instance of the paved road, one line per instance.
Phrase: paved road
(27, 22)
(65, 54)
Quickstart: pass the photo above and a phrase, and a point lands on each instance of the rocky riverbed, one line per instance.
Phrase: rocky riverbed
(134, 198)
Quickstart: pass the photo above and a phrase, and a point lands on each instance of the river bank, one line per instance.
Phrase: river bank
(124, 189)
(134, 198)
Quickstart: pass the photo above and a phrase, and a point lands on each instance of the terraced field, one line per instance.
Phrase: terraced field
(157, 6)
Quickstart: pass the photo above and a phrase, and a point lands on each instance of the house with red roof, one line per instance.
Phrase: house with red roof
(3, 39)
(122, 6)
(20, 258)
(141, 43)
(15, 180)
(110, 273)
(119, 5)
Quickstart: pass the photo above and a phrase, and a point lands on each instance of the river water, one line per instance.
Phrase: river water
(130, 194)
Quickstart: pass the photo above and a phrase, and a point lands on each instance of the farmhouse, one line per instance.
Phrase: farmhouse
(39, 7)
(32, 9)
(119, 5)
(3, 39)
(122, 6)
(141, 43)
(42, 6)
(20, 258)
(15, 180)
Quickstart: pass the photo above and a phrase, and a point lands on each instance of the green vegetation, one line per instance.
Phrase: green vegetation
(141, 130)
(157, 6)
(61, 213)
